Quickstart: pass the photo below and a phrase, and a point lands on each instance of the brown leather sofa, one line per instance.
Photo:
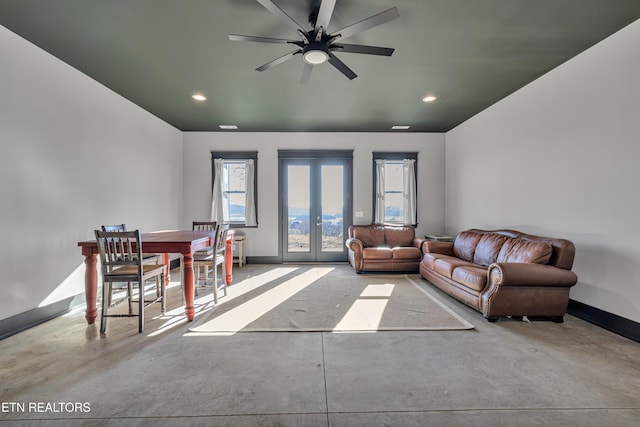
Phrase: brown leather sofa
(503, 272)
(379, 247)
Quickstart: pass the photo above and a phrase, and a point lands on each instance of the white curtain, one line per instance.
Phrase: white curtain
(379, 211)
(218, 206)
(409, 191)
(250, 205)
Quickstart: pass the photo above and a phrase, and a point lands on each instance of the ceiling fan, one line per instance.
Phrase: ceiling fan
(316, 45)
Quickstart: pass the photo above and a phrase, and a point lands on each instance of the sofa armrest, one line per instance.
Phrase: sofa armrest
(354, 244)
(355, 247)
(417, 242)
(445, 248)
(525, 274)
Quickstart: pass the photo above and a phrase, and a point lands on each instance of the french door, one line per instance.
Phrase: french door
(316, 206)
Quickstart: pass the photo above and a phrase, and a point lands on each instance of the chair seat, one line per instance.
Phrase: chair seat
(203, 258)
(130, 273)
(202, 253)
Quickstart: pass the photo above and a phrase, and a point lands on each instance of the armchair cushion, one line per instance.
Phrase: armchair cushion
(376, 253)
(371, 236)
(409, 253)
(398, 236)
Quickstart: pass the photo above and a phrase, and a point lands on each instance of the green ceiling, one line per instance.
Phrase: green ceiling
(469, 53)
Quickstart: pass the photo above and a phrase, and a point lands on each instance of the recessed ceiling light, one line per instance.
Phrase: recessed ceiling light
(228, 126)
(199, 97)
(400, 127)
(429, 98)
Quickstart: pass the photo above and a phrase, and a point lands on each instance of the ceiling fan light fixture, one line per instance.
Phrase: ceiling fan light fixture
(429, 98)
(199, 97)
(315, 53)
(315, 57)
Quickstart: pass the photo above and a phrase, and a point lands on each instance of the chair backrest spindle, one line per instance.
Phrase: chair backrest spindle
(204, 225)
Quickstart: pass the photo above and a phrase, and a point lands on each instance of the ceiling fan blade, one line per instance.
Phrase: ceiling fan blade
(341, 66)
(277, 61)
(324, 14)
(365, 24)
(306, 73)
(239, 38)
(358, 48)
(275, 9)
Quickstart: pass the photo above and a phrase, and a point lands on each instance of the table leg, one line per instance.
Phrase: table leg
(167, 274)
(90, 287)
(229, 261)
(188, 286)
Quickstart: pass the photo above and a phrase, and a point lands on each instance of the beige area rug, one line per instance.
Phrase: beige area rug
(314, 300)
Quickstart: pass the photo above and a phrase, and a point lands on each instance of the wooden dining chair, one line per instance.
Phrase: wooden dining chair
(150, 258)
(200, 257)
(203, 226)
(221, 257)
(121, 261)
(212, 260)
(146, 258)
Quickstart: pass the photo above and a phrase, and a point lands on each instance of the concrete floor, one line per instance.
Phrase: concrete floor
(509, 373)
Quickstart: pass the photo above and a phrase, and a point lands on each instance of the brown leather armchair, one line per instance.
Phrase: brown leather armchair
(379, 247)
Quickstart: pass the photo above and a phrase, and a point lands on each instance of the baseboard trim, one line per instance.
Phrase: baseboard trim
(23, 321)
(174, 263)
(612, 322)
(264, 260)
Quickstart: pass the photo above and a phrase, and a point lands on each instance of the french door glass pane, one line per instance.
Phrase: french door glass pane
(332, 208)
(299, 207)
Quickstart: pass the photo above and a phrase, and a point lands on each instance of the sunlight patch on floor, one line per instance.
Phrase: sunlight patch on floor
(246, 313)
(365, 314)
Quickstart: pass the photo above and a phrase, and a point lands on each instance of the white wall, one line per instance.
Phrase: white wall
(263, 241)
(66, 140)
(560, 158)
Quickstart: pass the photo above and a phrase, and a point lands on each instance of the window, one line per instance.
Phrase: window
(394, 183)
(234, 196)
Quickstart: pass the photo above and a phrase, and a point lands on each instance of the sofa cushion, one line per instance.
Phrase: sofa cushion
(398, 236)
(376, 253)
(528, 251)
(406, 253)
(472, 277)
(488, 248)
(445, 266)
(465, 245)
(429, 258)
(370, 235)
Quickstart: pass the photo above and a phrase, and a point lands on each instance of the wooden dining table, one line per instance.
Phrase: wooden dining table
(184, 242)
